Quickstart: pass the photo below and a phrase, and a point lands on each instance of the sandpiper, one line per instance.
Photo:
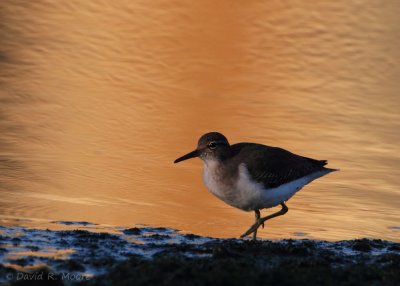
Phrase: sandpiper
(251, 176)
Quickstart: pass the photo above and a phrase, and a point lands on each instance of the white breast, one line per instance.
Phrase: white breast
(241, 194)
(247, 194)
(211, 179)
(214, 184)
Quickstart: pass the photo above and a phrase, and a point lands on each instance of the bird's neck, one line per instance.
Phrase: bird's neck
(212, 164)
(218, 168)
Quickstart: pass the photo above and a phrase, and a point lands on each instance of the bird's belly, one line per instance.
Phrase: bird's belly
(256, 196)
(243, 195)
(247, 194)
(252, 195)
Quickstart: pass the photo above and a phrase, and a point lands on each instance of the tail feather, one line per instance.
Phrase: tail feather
(323, 162)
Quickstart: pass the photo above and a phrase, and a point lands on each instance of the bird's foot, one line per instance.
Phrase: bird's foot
(253, 228)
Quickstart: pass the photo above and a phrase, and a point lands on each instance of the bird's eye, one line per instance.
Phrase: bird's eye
(212, 145)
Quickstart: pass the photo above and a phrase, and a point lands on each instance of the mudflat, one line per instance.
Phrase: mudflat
(162, 256)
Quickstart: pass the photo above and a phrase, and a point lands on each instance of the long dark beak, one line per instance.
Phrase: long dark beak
(192, 154)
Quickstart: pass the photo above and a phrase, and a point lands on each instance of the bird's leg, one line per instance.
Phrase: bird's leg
(261, 221)
(257, 213)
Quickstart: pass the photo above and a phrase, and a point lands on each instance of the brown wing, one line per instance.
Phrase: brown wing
(274, 166)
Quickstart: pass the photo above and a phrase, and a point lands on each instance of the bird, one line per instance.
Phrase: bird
(252, 176)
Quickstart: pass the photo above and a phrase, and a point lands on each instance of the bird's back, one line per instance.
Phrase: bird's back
(273, 166)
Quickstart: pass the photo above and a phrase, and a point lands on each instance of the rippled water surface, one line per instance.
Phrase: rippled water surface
(97, 99)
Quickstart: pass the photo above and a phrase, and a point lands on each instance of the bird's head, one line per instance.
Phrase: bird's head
(211, 146)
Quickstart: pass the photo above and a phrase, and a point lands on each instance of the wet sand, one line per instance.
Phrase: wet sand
(160, 256)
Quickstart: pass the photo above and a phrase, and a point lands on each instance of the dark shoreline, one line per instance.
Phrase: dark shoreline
(160, 256)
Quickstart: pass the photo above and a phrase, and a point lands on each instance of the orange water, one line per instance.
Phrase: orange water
(98, 98)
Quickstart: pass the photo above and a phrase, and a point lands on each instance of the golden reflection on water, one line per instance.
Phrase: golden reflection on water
(99, 98)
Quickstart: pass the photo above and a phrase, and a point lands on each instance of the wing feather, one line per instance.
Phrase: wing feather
(275, 166)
